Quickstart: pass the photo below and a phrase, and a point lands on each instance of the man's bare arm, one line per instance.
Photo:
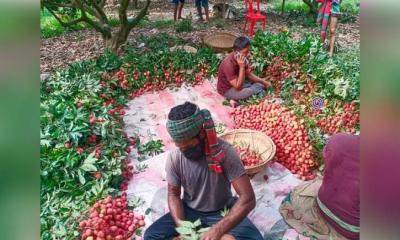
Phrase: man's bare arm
(242, 207)
(237, 83)
(254, 78)
(175, 204)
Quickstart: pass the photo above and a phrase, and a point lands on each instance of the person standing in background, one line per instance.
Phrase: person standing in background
(329, 13)
(203, 3)
(178, 9)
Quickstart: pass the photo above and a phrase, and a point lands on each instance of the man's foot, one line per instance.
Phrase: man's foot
(233, 103)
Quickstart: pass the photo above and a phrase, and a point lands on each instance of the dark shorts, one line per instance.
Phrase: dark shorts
(201, 3)
(247, 91)
(164, 228)
(177, 1)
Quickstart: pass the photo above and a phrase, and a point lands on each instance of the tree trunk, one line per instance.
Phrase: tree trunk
(313, 5)
(119, 38)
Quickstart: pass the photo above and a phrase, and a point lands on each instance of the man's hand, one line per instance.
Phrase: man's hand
(266, 83)
(241, 61)
(212, 234)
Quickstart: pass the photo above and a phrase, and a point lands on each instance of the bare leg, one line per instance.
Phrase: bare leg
(322, 39)
(199, 12)
(175, 11)
(207, 14)
(180, 10)
(333, 26)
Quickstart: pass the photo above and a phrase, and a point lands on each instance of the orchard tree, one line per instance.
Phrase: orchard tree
(313, 5)
(72, 12)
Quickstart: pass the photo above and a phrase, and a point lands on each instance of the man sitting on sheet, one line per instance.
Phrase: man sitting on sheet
(205, 166)
(329, 208)
(233, 71)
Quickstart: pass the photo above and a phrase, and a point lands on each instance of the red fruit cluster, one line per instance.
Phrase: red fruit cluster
(199, 77)
(351, 115)
(124, 84)
(248, 157)
(293, 148)
(313, 113)
(97, 175)
(309, 86)
(127, 174)
(178, 78)
(79, 150)
(147, 87)
(117, 111)
(304, 96)
(110, 218)
(120, 74)
(169, 77)
(108, 100)
(135, 75)
(98, 152)
(347, 120)
(93, 119)
(147, 75)
(159, 85)
(67, 145)
(330, 124)
(155, 82)
(92, 138)
(279, 70)
(103, 84)
(78, 104)
(132, 141)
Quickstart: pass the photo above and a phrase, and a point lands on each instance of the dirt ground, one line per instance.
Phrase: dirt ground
(59, 52)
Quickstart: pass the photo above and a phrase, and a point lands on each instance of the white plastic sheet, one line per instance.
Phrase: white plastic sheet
(146, 117)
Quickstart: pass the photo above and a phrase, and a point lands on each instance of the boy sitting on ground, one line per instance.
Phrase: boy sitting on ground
(233, 71)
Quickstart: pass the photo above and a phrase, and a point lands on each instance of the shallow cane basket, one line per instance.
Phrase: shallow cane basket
(220, 41)
(258, 142)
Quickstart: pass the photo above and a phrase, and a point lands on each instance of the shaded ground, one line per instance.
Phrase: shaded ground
(59, 52)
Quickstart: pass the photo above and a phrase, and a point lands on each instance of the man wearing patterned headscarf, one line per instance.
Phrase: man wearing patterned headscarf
(206, 167)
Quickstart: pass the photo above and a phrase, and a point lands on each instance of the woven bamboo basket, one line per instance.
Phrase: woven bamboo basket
(257, 141)
(220, 41)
